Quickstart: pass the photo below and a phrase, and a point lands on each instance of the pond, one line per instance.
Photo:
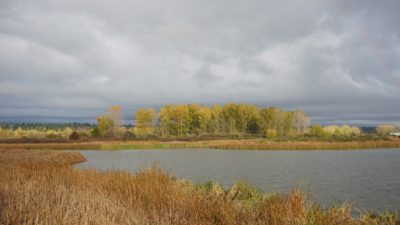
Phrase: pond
(368, 178)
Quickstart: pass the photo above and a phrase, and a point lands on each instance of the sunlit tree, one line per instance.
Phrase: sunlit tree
(230, 117)
(166, 125)
(144, 120)
(301, 122)
(249, 116)
(200, 117)
(215, 123)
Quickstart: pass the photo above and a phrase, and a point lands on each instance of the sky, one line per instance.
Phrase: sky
(70, 60)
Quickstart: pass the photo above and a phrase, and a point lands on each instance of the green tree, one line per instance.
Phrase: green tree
(105, 125)
(95, 132)
(317, 131)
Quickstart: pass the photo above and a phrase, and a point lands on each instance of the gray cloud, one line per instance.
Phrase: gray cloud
(70, 60)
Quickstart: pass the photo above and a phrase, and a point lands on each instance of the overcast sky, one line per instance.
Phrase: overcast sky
(339, 60)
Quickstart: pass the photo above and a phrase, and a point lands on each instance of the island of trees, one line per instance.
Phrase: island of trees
(196, 121)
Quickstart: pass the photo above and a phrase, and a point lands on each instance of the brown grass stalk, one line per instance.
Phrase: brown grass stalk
(43, 192)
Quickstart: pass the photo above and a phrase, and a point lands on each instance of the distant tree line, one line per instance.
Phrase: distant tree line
(45, 126)
(194, 120)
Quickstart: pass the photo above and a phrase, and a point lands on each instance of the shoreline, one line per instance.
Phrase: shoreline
(245, 144)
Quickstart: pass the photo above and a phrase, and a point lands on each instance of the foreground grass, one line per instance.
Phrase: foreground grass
(249, 144)
(48, 191)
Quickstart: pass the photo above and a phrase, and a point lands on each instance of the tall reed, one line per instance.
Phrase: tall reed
(46, 192)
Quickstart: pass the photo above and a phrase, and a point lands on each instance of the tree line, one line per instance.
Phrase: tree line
(190, 120)
(195, 120)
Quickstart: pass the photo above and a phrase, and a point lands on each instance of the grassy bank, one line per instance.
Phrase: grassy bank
(39, 157)
(40, 191)
(250, 144)
(303, 145)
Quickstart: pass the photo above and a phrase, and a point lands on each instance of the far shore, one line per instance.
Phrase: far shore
(241, 144)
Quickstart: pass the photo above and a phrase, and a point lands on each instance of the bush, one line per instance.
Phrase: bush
(74, 136)
(271, 133)
(317, 131)
(383, 130)
(95, 132)
(245, 193)
(129, 135)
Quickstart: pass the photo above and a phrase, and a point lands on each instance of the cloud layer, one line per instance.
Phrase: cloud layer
(70, 60)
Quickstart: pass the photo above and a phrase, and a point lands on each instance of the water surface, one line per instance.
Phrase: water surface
(368, 178)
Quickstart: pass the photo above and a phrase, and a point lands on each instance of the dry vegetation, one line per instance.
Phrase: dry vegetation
(260, 144)
(304, 145)
(38, 157)
(37, 190)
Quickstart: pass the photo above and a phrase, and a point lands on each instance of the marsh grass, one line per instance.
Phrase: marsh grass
(246, 144)
(39, 157)
(38, 187)
(261, 144)
(153, 145)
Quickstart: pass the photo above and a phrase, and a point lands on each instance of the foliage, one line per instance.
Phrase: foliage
(342, 131)
(317, 131)
(111, 124)
(229, 119)
(95, 132)
(145, 122)
(271, 134)
(105, 125)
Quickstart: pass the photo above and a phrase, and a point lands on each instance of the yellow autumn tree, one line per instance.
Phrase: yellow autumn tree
(105, 124)
(144, 120)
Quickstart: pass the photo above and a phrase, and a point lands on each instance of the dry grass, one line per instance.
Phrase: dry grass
(260, 144)
(51, 146)
(39, 157)
(41, 193)
(303, 145)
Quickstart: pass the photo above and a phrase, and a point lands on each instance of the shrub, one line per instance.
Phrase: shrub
(317, 131)
(74, 136)
(95, 132)
(271, 133)
(384, 130)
